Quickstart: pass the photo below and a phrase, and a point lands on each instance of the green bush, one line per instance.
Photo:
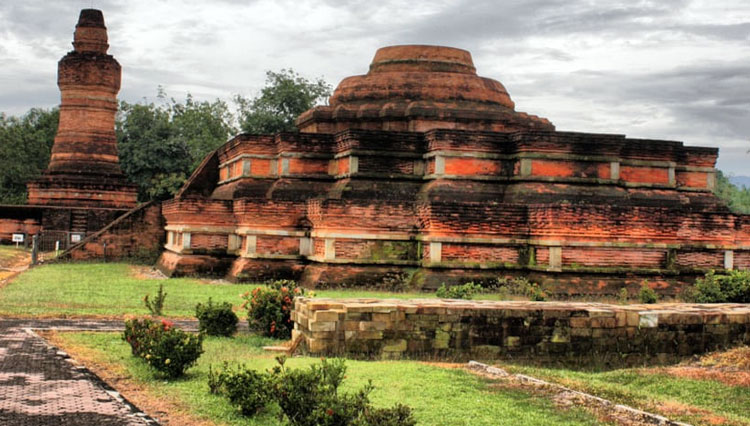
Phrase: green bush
(169, 350)
(306, 397)
(156, 306)
(399, 415)
(732, 287)
(216, 319)
(246, 389)
(463, 291)
(647, 294)
(523, 287)
(269, 308)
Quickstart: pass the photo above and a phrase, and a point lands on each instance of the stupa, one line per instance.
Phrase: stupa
(84, 169)
(83, 188)
(421, 172)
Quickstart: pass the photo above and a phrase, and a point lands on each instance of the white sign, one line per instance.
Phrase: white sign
(75, 238)
(18, 238)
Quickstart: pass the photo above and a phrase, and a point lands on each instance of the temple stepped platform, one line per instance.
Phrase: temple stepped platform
(547, 331)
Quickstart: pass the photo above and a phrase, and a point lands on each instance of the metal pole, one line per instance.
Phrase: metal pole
(34, 249)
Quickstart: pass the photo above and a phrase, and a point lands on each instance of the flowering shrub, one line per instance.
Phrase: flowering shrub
(216, 319)
(166, 348)
(306, 397)
(269, 308)
(247, 389)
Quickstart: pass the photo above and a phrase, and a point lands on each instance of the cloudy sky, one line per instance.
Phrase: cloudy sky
(665, 69)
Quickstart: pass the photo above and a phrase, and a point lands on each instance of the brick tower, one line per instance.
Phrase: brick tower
(84, 170)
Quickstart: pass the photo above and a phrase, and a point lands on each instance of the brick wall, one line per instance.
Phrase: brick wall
(139, 233)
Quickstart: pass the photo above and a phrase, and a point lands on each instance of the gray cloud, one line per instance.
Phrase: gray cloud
(662, 69)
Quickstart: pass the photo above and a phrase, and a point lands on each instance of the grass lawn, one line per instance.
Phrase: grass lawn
(114, 290)
(439, 396)
(111, 289)
(652, 389)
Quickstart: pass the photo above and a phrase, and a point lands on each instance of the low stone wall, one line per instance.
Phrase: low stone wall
(623, 334)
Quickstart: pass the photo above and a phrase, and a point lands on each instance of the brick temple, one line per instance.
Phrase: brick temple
(83, 188)
(421, 172)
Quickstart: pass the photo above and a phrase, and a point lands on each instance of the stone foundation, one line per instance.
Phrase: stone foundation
(546, 331)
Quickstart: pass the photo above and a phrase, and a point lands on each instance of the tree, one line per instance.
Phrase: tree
(160, 145)
(738, 199)
(25, 147)
(285, 96)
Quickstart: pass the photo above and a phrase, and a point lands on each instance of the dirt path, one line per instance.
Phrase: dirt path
(12, 263)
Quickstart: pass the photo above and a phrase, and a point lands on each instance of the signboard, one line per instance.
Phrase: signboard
(18, 238)
(75, 238)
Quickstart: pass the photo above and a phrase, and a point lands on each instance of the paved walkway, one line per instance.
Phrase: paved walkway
(39, 386)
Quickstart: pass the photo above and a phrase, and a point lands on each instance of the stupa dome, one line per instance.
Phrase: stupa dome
(418, 88)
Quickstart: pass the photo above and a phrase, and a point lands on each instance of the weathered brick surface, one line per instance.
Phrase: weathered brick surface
(84, 168)
(544, 330)
(138, 233)
(398, 176)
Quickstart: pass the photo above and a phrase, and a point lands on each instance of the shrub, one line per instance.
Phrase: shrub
(523, 287)
(269, 308)
(246, 389)
(216, 319)
(399, 415)
(169, 350)
(647, 294)
(156, 306)
(732, 287)
(311, 397)
(307, 397)
(463, 291)
(622, 296)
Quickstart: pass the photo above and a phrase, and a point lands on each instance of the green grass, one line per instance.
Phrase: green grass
(438, 396)
(90, 289)
(652, 391)
(109, 289)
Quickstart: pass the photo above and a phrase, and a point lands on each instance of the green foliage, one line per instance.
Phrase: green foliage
(160, 145)
(647, 294)
(463, 291)
(737, 198)
(522, 286)
(156, 306)
(25, 146)
(169, 350)
(216, 319)
(732, 287)
(623, 296)
(306, 397)
(285, 96)
(269, 308)
(398, 415)
(245, 388)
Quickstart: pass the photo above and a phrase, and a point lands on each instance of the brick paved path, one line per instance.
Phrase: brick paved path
(38, 386)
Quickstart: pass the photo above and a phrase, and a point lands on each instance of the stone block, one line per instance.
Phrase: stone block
(323, 326)
(580, 322)
(512, 342)
(330, 315)
(604, 322)
(633, 319)
(319, 345)
(442, 340)
(648, 320)
(398, 345)
(373, 325)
